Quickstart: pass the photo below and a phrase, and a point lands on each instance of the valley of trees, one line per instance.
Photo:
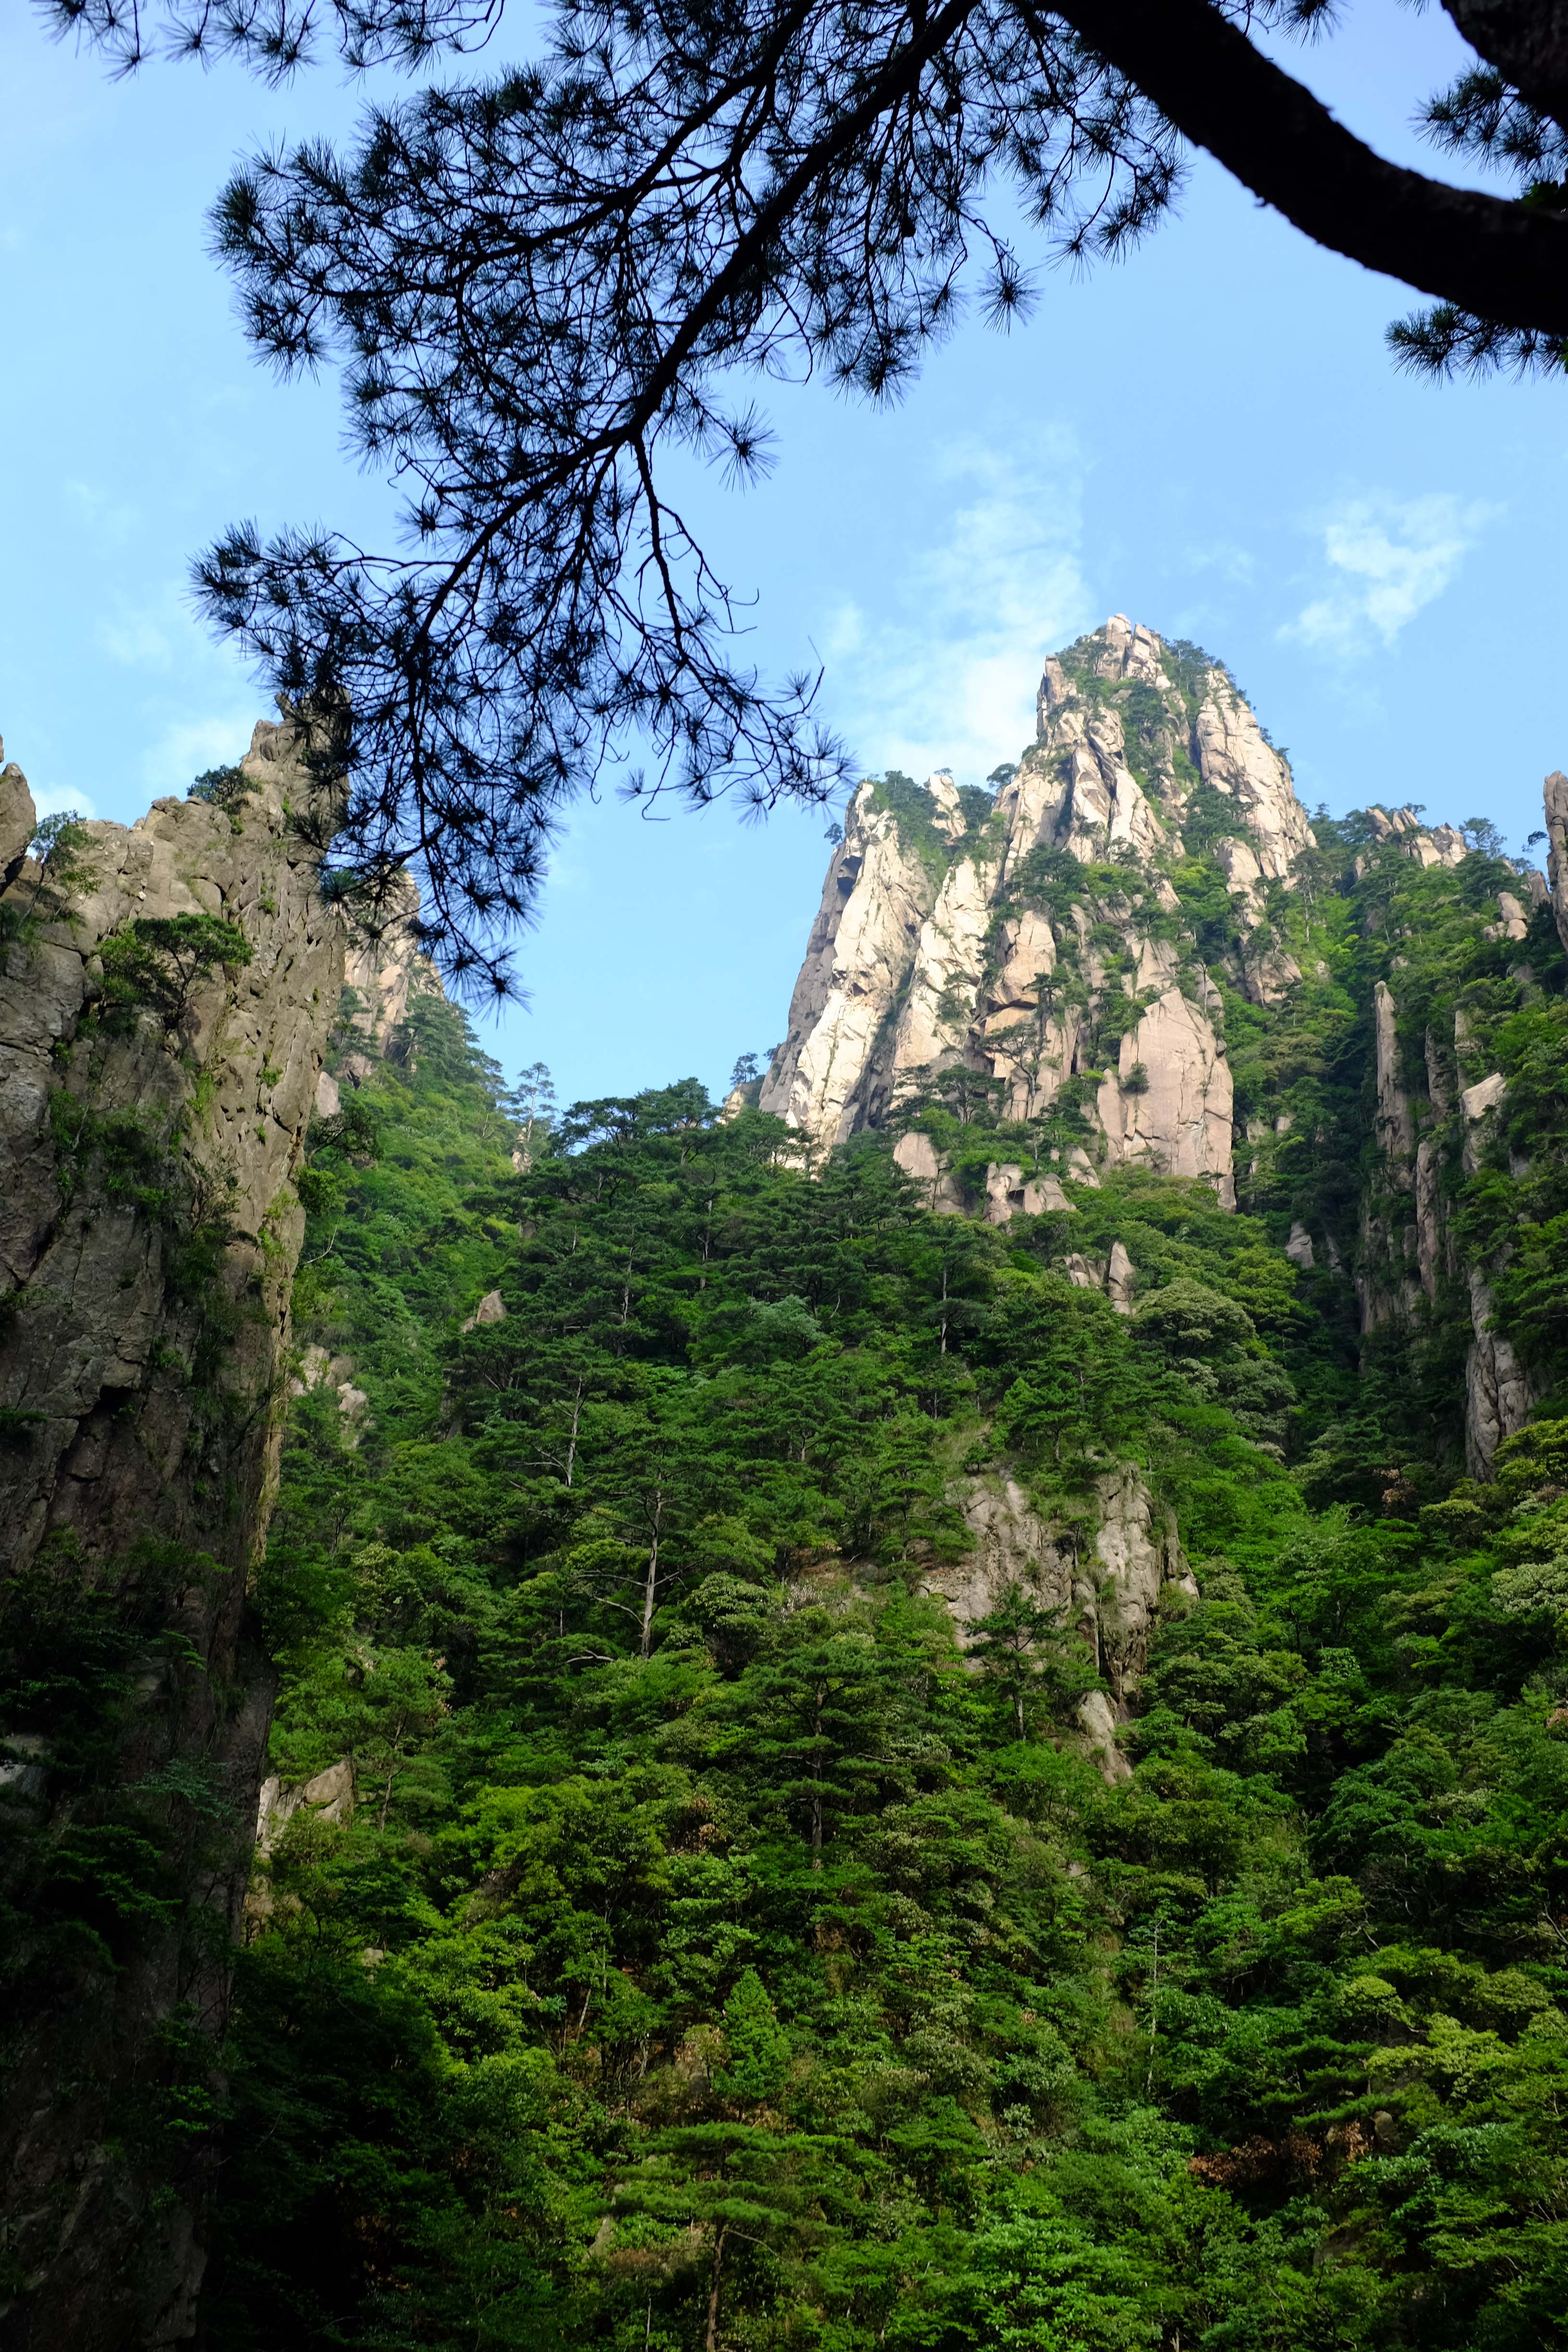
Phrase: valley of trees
(714, 1955)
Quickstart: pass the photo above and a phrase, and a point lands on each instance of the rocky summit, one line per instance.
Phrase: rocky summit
(1038, 935)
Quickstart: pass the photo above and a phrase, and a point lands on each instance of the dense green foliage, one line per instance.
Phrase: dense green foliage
(714, 1956)
(158, 961)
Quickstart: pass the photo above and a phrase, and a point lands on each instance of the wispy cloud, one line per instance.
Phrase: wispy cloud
(57, 800)
(189, 746)
(945, 674)
(158, 632)
(1236, 566)
(198, 709)
(1387, 560)
(108, 521)
(139, 641)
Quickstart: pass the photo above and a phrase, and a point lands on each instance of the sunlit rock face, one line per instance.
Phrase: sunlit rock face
(1556, 799)
(859, 962)
(1112, 1585)
(1035, 937)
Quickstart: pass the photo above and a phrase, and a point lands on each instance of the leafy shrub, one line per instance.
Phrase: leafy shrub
(224, 788)
(159, 961)
(1050, 880)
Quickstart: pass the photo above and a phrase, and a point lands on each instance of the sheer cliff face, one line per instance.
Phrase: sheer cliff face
(859, 962)
(1038, 939)
(148, 1239)
(147, 1210)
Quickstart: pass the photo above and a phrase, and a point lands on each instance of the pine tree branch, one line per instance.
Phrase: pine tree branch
(1500, 259)
(1527, 40)
(747, 262)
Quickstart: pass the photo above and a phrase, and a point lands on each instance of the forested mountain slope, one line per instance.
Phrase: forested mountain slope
(848, 1774)
(929, 1710)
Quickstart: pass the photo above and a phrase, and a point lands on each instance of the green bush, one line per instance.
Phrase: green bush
(159, 961)
(224, 788)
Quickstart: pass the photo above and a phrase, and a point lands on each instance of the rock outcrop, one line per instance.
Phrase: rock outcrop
(1138, 1558)
(155, 1089)
(1032, 940)
(1431, 1132)
(1108, 1589)
(1555, 795)
(382, 966)
(856, 977)
(1443, 845)
(328, 1795)
(1498, 1398)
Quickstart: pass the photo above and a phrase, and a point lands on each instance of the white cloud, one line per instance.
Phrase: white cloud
(56, 799)
(199, 708)
(189, 747)
(947, 678)
(1389, 559)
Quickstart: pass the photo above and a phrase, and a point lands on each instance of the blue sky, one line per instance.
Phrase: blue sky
(1209, 437)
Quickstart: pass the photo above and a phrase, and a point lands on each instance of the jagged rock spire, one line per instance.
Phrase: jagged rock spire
(955, 938)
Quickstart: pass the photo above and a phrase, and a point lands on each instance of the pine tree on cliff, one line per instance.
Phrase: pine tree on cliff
(540, 283)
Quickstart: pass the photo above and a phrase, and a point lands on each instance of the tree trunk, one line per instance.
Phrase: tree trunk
(1489, 254)
(650, 1581)
(571, 1448)
(713, 2336)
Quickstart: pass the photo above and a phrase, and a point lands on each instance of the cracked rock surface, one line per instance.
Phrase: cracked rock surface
(149, 1233)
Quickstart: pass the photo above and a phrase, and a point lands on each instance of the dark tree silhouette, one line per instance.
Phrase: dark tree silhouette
(536, 284)
(275, 36)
